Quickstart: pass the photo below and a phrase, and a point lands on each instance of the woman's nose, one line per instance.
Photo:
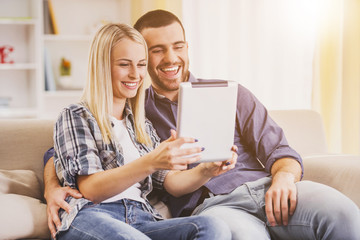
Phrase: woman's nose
(134, 72)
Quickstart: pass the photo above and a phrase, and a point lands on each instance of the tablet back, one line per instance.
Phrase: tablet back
(207, 112)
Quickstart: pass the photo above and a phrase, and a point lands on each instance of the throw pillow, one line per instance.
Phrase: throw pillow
(23, 182)
(22, 217)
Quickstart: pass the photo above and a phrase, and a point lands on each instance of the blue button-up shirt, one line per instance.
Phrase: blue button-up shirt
(259, 139)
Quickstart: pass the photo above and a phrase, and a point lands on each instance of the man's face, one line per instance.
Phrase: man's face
(168, 64)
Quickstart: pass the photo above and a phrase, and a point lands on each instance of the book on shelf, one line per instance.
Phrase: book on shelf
(50, 24)
(48, 71)
(48, 29)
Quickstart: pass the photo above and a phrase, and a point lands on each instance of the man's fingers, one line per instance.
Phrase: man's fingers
(285, 208)
(269, 209)
(54, 222)
(277, 207)
(64, 205)
(74, 193)
(51, 227)
(292, 202)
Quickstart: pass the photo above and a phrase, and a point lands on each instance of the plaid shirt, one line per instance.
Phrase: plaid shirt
(80, 150)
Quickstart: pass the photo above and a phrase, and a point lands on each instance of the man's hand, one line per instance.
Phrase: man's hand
(55, 199)
(55, 196)
(281, 198)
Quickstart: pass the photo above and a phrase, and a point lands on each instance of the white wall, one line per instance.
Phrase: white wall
(266, 45)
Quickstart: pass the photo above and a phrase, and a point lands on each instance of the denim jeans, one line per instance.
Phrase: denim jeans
(127, 219)
(321, 213)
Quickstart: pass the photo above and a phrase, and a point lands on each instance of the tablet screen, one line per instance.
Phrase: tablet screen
(207, 112)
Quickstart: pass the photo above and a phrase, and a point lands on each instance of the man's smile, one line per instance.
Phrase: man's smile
(170, 72)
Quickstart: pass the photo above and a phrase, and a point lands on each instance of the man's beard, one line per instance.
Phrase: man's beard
(168, 85)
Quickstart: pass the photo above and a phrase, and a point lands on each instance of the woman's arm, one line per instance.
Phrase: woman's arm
(103, 185)
(78, 164)
(194, 178)
(168, 155)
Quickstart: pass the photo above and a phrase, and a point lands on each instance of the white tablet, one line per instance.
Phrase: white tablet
(207, 112)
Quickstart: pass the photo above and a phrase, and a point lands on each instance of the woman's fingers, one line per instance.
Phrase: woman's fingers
(234, 148)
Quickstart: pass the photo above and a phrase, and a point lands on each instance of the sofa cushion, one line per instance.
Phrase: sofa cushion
(338, 171)
(23, 143)
(23, 182)
(22, 217)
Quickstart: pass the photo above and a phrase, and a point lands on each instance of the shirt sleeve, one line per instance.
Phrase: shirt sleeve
(259, 132)
(158, 177)
(49, 153)
(75, 147)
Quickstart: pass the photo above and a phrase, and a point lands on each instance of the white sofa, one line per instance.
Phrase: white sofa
(23, 143)
(305, 132)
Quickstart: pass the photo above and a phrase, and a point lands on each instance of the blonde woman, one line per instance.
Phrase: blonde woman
(105, 148)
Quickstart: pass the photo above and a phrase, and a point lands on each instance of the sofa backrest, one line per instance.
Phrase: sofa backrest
(23, 144)
(303, 129)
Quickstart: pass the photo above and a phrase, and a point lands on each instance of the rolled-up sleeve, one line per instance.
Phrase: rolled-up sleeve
(262, 135)
(76, 152)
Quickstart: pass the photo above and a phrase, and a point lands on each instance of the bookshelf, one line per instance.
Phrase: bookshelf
(75, 31)
(20, 67)
(24, 92)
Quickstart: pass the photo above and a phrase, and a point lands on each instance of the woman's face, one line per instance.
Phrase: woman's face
(128, 68)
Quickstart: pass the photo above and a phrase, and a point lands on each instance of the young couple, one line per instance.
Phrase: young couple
(108, 150)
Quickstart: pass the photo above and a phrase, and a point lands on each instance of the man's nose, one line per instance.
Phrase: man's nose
(170, 56)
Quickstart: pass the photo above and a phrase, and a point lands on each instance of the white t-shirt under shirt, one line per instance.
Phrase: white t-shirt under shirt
(130, 153)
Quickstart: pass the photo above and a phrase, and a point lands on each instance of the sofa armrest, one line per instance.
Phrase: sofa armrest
(341, 172)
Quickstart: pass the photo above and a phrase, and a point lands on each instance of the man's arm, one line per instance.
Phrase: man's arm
(55, 196)
(258, 131)
(281, 198)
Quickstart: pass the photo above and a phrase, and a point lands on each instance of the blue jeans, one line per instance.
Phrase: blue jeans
(321, 213)
(127, 219)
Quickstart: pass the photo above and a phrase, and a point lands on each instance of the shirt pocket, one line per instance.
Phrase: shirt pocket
(108, 159)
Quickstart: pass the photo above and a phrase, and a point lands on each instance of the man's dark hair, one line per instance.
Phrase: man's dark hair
(155, 19)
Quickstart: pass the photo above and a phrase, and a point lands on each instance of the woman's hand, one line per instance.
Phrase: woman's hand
(169, 155)
(196, 177)
(213, 169)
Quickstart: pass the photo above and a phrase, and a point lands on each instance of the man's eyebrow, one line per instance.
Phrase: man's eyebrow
(179, 42)
(156, 46)
(163, 45)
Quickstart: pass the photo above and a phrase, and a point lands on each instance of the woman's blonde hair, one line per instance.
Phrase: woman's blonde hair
(98, 92)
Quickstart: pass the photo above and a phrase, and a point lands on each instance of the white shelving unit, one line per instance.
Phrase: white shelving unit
(77, 20)
(22, 26)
